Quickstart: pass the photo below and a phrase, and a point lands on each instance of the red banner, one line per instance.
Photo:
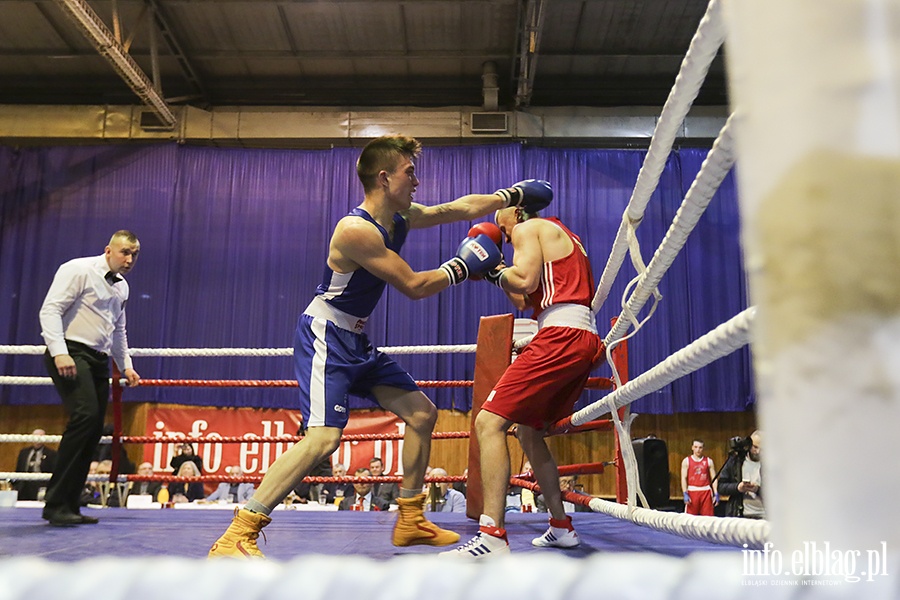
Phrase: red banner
(170, 424)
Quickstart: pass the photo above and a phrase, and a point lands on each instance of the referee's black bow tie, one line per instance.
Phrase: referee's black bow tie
(112, 278)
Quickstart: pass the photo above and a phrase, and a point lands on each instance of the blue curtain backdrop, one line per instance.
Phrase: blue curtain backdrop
(233, 244)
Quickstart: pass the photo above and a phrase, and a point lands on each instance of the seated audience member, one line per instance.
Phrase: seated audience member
(186, 492)
(520, 498)
(362, 497)
(185, 452)
(305, 492)
(566, 484)
(91, 492)
(104, 452)
(443, 498)
(388, 491)
(146, 488)
(36, 458)
(335, 492)
(460, 486)
(109, 492)
(231, 491)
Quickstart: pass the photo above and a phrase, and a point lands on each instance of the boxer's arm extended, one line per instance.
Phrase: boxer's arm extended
(358, 244)
(465, 208)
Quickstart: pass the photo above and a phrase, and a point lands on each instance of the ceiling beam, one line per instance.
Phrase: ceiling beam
(102, 38)
(188, 71)
(529, 46)
(210, 55)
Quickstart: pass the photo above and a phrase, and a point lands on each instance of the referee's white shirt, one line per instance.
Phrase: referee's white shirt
(82, 306)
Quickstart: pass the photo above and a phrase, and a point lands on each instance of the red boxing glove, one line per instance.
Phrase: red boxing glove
(488, 229)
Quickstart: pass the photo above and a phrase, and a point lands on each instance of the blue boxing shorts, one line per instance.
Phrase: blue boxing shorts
(331, 363)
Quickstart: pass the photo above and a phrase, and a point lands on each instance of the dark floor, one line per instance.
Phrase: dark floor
(135, 533)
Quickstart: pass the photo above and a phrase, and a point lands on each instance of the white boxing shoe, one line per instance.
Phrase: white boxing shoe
(490, 542)
(560, 534)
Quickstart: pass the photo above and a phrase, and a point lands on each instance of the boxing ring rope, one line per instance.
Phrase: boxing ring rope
(703, 48)
(713, 171)
(287, 352)
(721, 341)
(705, 44)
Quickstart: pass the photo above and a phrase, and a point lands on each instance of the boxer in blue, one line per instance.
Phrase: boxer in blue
(333, 356)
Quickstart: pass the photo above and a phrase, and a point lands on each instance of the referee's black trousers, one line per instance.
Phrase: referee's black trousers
(84, 399)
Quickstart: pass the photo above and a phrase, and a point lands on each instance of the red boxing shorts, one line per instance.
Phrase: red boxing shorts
(543, 383)
(701, 503)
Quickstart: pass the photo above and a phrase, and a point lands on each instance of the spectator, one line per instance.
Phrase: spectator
(37, 458)
(336, 492)
(443, 498)
(104, 452)
(185, 452)
(232, 491)
(566, 484)
(305, 492)
(146, 488)
(362, 497)
(460, 486)
(698, 482)
(186, 492)
(388, 491)
(109, 492)
(741, 480)
(90, 493)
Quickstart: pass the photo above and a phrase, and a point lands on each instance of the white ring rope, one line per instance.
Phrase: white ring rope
(724, 530)
(721, 341)
(703, 48)
(13, 476)
(22, 380)
(22, 438)
(145, 352)
(713, 171)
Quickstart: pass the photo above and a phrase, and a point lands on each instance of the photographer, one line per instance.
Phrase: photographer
(741, 478)
(184, 452)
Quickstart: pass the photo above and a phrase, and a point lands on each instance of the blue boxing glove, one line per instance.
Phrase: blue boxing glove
(475, 256)
(531, 195)
(495, 274)
(687, 498)
(716, 499)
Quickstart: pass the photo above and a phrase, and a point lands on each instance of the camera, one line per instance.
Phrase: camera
(739, 445)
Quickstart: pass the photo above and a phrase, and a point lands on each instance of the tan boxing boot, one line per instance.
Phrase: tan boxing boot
(239, 540)
(412, 528)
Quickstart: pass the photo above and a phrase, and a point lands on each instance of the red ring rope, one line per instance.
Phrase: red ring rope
(273, 383)
(567, 496)
(258, 478)
(349, 437)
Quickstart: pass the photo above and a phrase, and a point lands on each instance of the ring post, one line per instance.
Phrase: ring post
(492, 357)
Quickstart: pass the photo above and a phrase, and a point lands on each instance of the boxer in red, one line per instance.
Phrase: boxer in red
(550, 273)
(697, 482)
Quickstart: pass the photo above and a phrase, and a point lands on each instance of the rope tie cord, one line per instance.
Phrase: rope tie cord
(632, 477)
(703, 48)
(713, 171)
